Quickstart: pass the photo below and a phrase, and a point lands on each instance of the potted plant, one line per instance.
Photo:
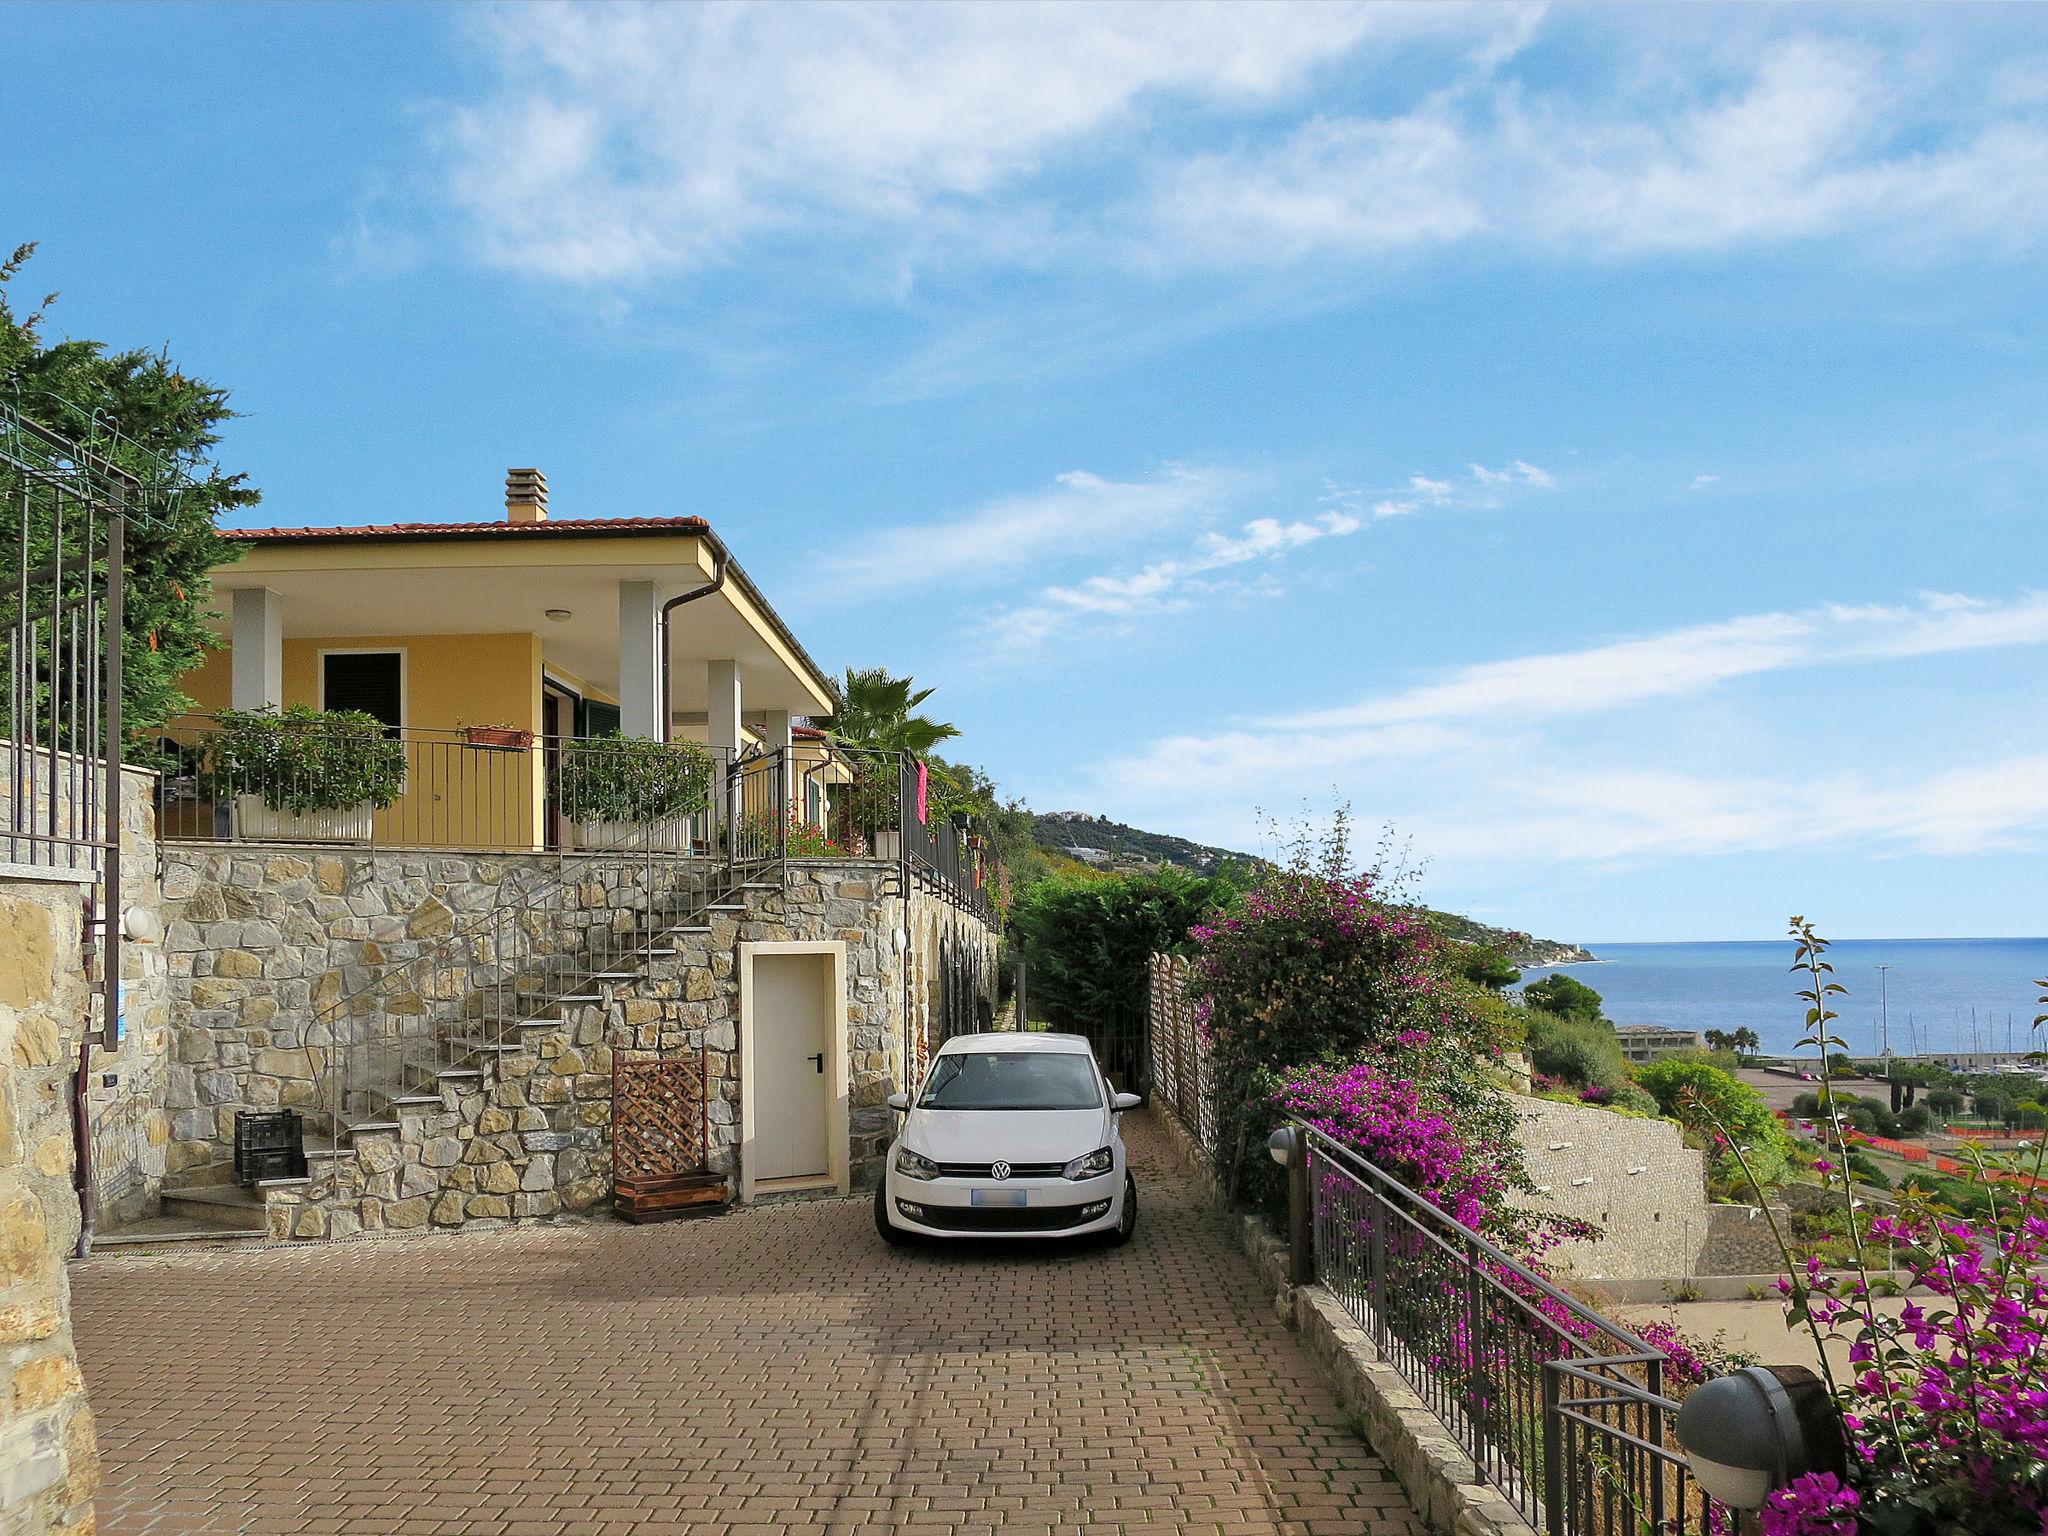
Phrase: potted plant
(633, 792)
(301, 774)
(497, 738)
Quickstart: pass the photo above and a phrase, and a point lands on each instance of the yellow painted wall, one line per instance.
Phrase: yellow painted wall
(456, 795)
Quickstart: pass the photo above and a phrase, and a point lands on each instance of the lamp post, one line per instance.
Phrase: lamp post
(1748, 1434)
(1884, 1005)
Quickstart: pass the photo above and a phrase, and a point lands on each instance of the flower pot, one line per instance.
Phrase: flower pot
(257, 822)
(503, 738)
(658, 837)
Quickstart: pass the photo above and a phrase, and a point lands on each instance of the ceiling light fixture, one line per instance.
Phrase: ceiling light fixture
(558, 614)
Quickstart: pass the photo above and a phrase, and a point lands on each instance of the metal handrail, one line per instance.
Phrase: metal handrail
(1559, 1406)
(488, 965)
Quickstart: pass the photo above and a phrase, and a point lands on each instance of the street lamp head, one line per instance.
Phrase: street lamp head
(1752, 1432)
(1281, 1144)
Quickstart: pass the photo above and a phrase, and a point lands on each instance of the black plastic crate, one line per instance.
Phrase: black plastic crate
(269, 1144)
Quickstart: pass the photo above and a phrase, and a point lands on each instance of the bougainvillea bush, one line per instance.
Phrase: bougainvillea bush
(1945, 1399)
(1313, 967)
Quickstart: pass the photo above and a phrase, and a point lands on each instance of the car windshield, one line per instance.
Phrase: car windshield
(1012, 1080)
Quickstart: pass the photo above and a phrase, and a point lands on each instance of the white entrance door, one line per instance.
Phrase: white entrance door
(792, 1066)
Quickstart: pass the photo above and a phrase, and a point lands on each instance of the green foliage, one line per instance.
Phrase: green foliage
(303, 760)
(878, 711)
(1944, 1102)
(1563, 996)
(1631, 1098)
(1487, 965)
(1086, 943)
(167, 422)
(632, 779)
(1314, 968)
(1722, 1109)
(1582, 1051)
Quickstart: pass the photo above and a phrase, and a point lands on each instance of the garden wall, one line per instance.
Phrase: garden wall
(1634, 1178)
(534, 1140)
(48, 1461)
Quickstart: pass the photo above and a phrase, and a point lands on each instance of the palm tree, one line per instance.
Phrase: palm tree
(877, 715)
(1747, 1040)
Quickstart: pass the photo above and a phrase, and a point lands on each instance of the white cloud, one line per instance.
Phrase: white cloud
(1164, 586)
(1702, 482)
(629, 139)
(1080, 513)
(1475, 740)
(624, 142)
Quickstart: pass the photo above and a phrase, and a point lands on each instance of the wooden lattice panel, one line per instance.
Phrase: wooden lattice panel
(658, 1118)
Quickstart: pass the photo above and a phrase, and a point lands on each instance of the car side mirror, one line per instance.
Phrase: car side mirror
(1124, 1101)
(899, 1102)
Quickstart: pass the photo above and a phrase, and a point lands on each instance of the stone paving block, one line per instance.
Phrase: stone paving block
(771, 1370)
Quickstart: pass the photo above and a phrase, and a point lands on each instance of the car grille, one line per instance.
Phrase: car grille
(974, 1218)
(1017, 1170)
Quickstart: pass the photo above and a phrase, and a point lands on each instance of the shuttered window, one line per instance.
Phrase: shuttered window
(370, 681)
(600, 718)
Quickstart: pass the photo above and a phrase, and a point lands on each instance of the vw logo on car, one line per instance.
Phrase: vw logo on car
(1013, 1134)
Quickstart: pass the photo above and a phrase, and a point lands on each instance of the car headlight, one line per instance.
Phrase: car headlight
(1102, 1160)
(915, 1165)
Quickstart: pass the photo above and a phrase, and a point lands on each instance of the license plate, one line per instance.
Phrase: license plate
(998, 1196)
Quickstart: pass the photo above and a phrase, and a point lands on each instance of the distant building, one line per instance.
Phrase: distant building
(1087, 855)
(1652, 1042)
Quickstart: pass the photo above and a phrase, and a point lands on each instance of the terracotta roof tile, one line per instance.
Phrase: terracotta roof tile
(571, 526)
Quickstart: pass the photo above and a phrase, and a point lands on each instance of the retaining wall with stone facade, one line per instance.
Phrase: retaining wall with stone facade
(530, 1139)
(1632, 1177)
(48, 1461)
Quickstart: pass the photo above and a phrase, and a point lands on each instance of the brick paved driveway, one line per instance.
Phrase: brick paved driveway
(766, 1369)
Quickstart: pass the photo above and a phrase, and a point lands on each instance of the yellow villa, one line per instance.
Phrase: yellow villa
(488, 649)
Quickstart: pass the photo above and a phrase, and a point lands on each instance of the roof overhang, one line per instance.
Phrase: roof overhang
(473, 579)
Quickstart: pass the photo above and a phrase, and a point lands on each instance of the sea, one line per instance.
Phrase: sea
(1938, 995)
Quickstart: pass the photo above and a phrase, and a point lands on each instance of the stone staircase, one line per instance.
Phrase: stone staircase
(512, 1119)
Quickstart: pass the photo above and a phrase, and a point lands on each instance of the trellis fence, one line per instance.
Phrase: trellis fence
(1180, 1054)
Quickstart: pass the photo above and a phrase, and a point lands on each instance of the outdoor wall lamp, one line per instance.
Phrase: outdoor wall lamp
(1281, 1145)
(559, 615)
(1748, 1434)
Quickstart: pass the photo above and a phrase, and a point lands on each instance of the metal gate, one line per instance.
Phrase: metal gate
(65, 514)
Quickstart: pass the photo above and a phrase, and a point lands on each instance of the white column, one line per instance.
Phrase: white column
(722, 704)
(775, 729)
(640, 660)
(775, 736)
(256, 649)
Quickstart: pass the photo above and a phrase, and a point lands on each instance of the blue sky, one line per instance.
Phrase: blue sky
(1607, 443)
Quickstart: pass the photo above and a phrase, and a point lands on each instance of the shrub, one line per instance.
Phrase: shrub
(1564, 996)
(1722, 1110)
(1915, 1121)
(1086, 941)
(302, 761)
(632, 779)
(1633, 1100)
(1582, 1052)
(1313, 968)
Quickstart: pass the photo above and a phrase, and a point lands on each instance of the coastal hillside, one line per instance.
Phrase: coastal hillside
(1104, 844)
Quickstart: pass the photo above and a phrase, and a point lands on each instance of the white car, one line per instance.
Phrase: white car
(1011, 1135)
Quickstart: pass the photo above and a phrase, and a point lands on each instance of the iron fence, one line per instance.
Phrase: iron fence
(60, 627)
(479, 790)
(1562, 1409)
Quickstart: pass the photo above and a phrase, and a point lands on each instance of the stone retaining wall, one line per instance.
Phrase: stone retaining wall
(532, 1140)
(48, 1460)
(1634, 1178)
